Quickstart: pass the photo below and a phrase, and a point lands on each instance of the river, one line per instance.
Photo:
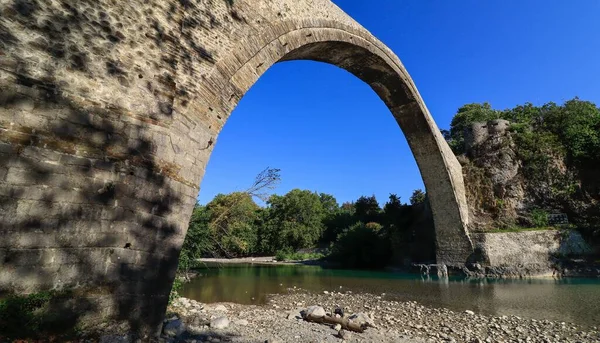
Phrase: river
(569, 300)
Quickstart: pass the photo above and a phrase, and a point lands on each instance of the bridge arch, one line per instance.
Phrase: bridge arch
(368, 59)
(109, 111)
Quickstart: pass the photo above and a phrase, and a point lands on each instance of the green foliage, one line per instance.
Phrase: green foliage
(231, 223)
(28, 315)
(464, 118)
(294, 221)
(539, 218)
(361, 246)
(198, 241)
(337, 222)
(558, 150)
(367, 209)
(417, 197)
(177, 285)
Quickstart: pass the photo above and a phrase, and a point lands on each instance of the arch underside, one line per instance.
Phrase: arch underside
(441, 172)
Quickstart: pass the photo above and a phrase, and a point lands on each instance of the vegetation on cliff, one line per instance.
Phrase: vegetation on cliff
(547, 161)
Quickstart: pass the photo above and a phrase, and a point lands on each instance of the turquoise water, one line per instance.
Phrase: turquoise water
(570, 300)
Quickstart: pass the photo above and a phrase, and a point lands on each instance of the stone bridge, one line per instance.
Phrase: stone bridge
(109, 111)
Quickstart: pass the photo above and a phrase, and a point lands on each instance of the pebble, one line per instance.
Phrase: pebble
(395, 321)
(345, 335)
(241, 322)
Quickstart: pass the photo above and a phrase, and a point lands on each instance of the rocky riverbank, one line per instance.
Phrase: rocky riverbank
(281, 321)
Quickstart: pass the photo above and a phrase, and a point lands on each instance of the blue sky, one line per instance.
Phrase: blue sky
(329, 132)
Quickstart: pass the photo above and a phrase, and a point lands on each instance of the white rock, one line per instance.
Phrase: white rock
(219, 323)
(337, 327)
(469, 312)
(315, 311)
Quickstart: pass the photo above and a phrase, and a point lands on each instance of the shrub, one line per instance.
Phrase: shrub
(361, 246)
(539, 218)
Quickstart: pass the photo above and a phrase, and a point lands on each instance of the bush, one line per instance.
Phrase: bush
(361, 246)
(30, 316)
(539, 218)
(177, 285)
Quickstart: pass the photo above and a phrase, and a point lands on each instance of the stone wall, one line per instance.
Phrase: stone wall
(109, 111)
(529, 253)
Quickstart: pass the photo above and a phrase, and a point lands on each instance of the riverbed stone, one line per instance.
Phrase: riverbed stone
(295, 314)
(219, 308)
(241, 322)
(219, 323)
(362, 319)
(174, 328)
(344, 334)
(316, 311)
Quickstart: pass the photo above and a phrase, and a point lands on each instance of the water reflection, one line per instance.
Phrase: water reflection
(570, 300)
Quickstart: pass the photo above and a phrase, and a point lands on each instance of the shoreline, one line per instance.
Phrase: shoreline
(559, 269)
(263, 260)
(280, 321)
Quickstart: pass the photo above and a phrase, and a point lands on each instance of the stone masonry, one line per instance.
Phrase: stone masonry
(109, 111)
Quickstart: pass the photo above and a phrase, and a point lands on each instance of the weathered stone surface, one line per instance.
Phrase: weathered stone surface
(109, 112)
(527, 253)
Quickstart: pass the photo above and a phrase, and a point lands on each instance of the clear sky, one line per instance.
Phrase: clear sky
(329, 132)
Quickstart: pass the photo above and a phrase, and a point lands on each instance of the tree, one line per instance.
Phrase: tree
(393, 211)
(232, 223)
(198, 240)
(367, 209)
(417, 197)
(329, 203)
(337, 222)
(228, 224)
(295, 220)
(361, 246)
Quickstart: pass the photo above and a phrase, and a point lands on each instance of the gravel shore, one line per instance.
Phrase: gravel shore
(280, 321)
